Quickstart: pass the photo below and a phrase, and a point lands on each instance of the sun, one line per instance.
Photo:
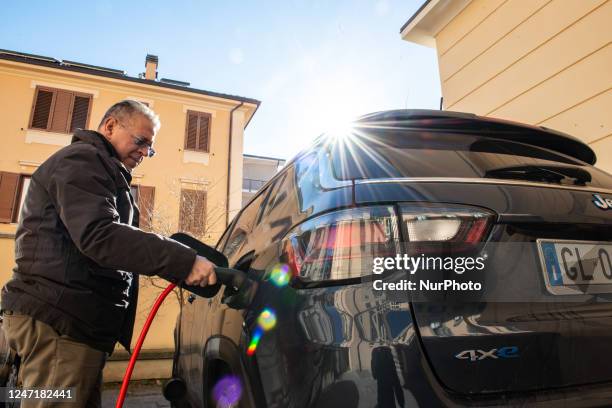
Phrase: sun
(329, 108)
(339, 129)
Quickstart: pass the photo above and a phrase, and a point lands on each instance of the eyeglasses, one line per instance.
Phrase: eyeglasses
(140, 142)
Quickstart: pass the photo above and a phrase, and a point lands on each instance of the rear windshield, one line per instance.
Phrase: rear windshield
(451, 155)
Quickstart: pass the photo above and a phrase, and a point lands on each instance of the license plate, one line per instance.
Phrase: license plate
(576, 267)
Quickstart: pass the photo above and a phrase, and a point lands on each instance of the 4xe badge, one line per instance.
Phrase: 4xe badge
(602, 203)
(477, 355)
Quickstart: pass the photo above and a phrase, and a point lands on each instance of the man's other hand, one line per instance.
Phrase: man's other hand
(202, 273)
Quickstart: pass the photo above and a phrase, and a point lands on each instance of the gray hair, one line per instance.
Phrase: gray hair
(124, 110)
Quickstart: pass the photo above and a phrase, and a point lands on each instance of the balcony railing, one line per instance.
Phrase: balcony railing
(252, 185)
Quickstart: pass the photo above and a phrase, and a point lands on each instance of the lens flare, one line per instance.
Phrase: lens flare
(267, 319)
(227, 391)
(280, 275)
(254, 341)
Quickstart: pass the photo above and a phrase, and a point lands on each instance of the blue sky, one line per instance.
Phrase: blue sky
(311, 63)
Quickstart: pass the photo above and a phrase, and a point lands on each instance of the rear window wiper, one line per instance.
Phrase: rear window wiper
(547, 173)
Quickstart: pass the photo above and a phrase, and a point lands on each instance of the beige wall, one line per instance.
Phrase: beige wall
(543, 62)
(167, 172)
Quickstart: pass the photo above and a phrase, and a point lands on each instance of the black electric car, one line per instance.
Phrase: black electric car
(318, 334)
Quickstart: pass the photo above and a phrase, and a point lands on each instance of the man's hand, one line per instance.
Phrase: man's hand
(202, 273)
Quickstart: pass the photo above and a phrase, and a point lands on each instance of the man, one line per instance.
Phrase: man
(78, 255)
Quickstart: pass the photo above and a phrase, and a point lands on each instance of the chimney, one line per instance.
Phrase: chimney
(151, 67)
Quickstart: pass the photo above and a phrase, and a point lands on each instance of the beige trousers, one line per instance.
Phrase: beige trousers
(52, 360)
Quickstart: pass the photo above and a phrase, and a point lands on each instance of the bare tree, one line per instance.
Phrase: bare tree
(196, 218)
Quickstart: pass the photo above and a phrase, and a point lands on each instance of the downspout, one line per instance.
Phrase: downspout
(229, 162)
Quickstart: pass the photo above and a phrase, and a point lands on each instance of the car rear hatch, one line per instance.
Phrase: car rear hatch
(545, 201)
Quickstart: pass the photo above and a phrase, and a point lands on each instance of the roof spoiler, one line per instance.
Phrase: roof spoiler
(458, 122)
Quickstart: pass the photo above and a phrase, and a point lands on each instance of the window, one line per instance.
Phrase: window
(242, 227)
(56, 110)
(13, 188)
(197, 131)
(192, 216)
(223, 240)
(406, 153)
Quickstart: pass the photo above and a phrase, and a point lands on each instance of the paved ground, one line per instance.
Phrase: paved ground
(141, 394)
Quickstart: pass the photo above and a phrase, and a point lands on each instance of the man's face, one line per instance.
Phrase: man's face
(126, 135)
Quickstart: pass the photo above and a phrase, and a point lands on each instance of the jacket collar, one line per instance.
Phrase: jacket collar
(100, 142)
(96, 139)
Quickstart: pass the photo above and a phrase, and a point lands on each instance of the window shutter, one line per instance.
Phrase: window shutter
(200, 211)
(61, 111)
(42, 109)
(203, 131)
(192, 131)
(80, 113)
(183, 211)
(197, 133)
(193, 212)
(8, 192)
(146, 200)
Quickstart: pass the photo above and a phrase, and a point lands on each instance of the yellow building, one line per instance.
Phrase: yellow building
(193, 184)
(542, 62)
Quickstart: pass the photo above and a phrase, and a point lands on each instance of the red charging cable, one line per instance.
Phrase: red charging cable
(143, 334)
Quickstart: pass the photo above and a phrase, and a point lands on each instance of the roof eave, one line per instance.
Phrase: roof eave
(433, 15)
(14, 57)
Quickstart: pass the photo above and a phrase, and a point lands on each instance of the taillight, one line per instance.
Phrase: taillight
(427, 225)
(341, 245)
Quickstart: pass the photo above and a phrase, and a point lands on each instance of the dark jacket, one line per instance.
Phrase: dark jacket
(78, 252)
